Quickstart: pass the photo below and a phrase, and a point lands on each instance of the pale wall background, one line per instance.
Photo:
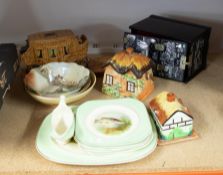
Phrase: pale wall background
(103, 21)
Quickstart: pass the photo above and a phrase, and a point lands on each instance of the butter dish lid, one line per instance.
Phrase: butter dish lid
(165, 104)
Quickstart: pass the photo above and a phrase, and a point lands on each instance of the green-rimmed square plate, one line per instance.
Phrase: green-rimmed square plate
(112, 123)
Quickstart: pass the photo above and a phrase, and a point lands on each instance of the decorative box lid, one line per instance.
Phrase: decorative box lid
(170, 28)
(128, 60)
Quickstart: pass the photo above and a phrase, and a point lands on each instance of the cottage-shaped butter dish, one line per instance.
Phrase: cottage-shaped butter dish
(128, 74)
(173, 119)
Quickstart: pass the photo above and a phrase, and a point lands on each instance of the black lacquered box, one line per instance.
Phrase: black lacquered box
(178, 49)
(9, 64)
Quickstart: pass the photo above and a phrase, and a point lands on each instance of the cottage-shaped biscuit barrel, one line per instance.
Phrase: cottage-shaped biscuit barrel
(128, 74)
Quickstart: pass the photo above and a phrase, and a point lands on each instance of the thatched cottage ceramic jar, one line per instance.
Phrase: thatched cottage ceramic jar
(128, 74)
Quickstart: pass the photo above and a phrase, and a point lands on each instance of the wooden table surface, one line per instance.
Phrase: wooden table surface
(21, 117)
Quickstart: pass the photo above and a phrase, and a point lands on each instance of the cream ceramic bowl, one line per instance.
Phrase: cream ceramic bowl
(57, 78)
(71, 97)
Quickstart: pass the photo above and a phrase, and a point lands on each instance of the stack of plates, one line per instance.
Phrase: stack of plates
(108, 126)
(107, 132)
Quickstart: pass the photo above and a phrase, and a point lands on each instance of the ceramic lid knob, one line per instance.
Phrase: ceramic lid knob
(171, 97)
(129, 50)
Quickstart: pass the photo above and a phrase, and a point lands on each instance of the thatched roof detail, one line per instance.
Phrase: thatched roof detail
(128, 60)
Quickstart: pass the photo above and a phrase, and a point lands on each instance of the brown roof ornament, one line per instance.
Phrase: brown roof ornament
(129, 50)
(171, 97)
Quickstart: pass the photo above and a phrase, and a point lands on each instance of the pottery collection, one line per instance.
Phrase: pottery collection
(104, 132)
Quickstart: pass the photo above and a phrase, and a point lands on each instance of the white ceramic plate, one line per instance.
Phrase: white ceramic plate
(112, 150)
(73, 154)
(112, 123)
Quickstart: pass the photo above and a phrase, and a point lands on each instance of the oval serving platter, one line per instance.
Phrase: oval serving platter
(74, 154)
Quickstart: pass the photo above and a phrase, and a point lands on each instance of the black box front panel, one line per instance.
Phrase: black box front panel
(169, 57)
